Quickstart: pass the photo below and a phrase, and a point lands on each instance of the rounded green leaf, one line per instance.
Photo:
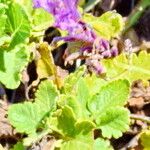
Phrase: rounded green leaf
(84, 127)
(25, 117)
(112, 94)
(72, 102)
(66, 122)
(12, 64)
(46, 96)
(113, 122)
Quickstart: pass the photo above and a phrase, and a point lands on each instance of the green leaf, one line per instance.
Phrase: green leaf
(78, 99)
(83, 96)
(85, 127)
(66, 121)
(71, 80)
(77, 134)
(76, 144)
(145, 138)
(113, 122)
(113, 94)
(86, 144)
(27, 5)
(82, 92)
(19, 146)
(136, 68)
(102, 144)
(109, 25)
(81, 142)
(17, 25)
(42, 19)
(25, 117)
(3, 18)
(46, 96)
(12, 64)
(94, 83)
(72, 102)
(4, 39)
(76, 85)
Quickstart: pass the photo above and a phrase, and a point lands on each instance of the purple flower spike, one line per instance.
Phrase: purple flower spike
(105, 44)
(61, 9)
(114, 51)
(96, 66)
(99, 68)
(68, 18)
(101, 45)
(106, 54)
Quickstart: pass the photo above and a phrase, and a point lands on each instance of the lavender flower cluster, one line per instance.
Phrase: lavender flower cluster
(68, 18)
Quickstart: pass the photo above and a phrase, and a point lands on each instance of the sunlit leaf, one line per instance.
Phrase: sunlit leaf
(3, 18)
(25, 117)
(113, 122)
(17, 24)
(72, 79)
(83, 95)
(76, 144)
(134, 69)
(42, 19)
(18, 146)
(44, 64)
(72, 102)
(46, 96)
(145, 138)
(84, 128)
(112, 94)
(66, 122)
(94, 83)
(12, 64)
(110, 24)
(100, 143)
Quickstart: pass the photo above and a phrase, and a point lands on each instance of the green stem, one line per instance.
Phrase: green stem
(90, 5)
(136, 14)
(140, 117)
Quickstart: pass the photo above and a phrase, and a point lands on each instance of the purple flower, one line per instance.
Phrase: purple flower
(62, 10)
(68, 18)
